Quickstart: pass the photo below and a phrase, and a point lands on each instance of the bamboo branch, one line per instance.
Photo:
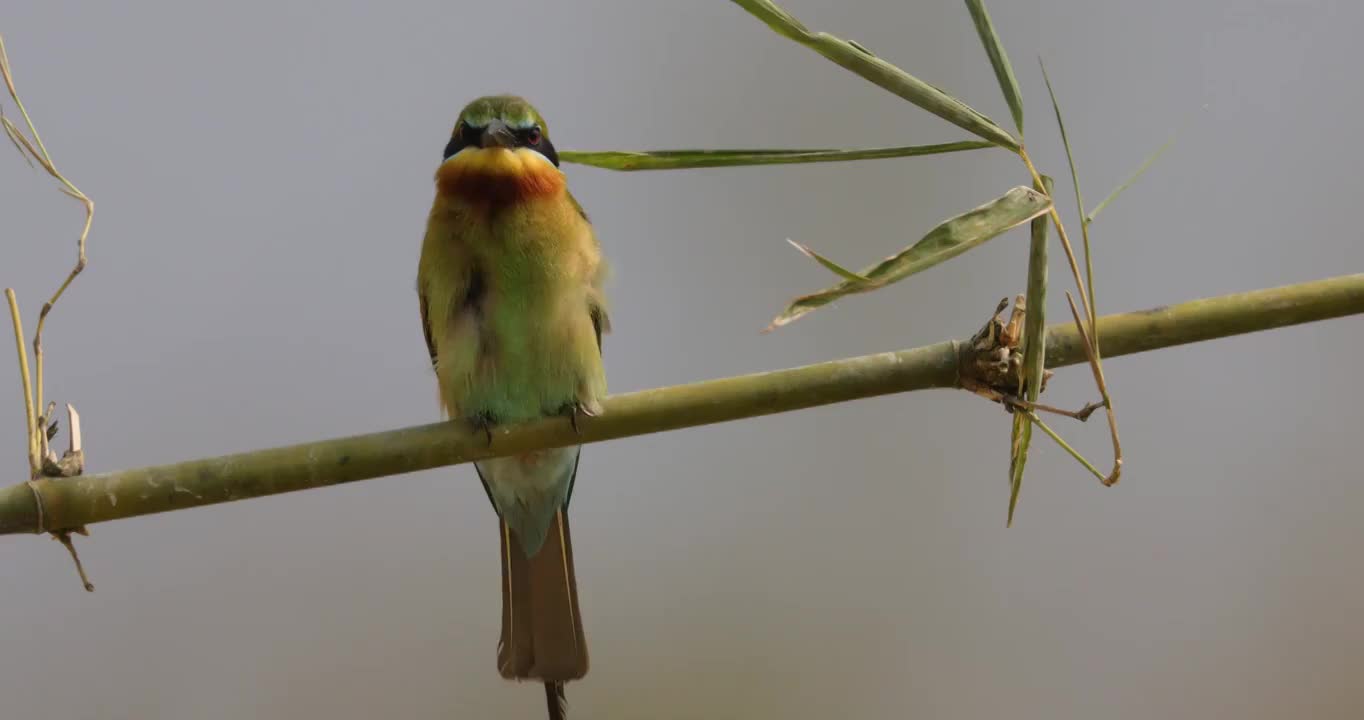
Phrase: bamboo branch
(77, 501)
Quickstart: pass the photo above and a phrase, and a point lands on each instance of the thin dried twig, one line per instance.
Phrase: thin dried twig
(42, 461)
(64, 537)
(1112, 478)
(1095, 363)
(1019, 403)
(556, 704)
(38, 152)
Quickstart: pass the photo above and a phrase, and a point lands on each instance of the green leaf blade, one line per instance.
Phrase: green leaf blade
(1145, 165)
(999, 60)
(1079, 200)
(628, 161)
(949, 239)
(1065, 140)
(1035, 319)
(859, 60)
(1018, 457)
(1034, 350)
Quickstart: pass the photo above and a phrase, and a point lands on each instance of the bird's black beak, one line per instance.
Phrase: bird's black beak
(497, 134)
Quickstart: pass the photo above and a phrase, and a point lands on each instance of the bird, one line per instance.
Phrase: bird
(510, 285)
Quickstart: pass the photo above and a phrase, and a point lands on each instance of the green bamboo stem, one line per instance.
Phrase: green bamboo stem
(63, 503)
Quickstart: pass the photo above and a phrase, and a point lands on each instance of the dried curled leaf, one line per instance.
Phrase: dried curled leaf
(944, 242)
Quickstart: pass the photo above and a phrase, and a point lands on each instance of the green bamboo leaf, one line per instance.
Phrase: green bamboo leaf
(1079, 201)
(1034, 350)
(999, 60)
(830, 264)
(859, 60)
(944, 242)
(1018, 457)
(1035, 319)
(686, 159)
(1066, 446)
(1128, 183)
(1065, 141)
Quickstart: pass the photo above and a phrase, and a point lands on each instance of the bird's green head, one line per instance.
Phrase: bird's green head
(501, 121)
(499, 153)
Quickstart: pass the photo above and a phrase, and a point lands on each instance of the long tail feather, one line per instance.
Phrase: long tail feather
(542, 631)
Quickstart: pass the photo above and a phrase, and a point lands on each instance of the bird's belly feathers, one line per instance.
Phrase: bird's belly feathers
(526, 347)
(530, 358)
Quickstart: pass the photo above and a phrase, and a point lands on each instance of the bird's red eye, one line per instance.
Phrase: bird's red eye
(533, 136)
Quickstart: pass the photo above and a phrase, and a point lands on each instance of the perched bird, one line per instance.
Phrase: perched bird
(510, 287)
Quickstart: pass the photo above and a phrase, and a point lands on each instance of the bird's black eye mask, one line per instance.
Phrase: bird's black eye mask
(531, 137)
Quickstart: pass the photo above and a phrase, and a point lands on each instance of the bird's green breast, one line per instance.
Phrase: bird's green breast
(521, 342)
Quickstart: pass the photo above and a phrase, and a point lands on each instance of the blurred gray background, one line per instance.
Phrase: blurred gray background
(263, 169)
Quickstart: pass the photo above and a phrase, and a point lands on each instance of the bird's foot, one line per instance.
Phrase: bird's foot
(575, 410)
(483, 422)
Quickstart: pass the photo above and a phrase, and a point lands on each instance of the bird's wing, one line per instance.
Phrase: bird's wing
(426, 325)
(578, 206)
(443, 274)
(600, 323)
(596, 304)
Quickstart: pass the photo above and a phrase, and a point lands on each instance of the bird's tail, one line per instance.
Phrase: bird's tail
(542, 628)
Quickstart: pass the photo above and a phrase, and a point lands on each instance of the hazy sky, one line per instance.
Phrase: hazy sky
(263, 169)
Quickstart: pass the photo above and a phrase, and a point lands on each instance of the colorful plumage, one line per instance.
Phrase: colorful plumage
(510, 286)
